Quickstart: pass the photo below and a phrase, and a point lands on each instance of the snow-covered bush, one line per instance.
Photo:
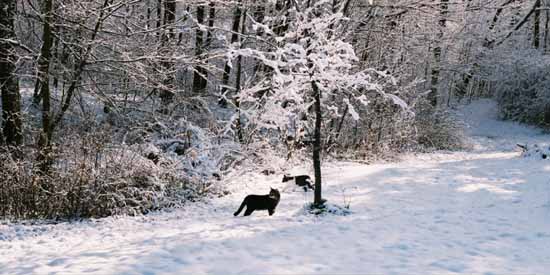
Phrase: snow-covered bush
(438, 129)
(522, 87)
(90, 178)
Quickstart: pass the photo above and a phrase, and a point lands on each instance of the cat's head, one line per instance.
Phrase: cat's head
(274, 193)
(286, 178)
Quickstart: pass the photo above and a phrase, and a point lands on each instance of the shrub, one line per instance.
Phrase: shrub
(522, 88)
(90, 179)
(438, 129)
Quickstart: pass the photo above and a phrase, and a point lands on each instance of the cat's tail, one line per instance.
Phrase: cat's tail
(240, 208)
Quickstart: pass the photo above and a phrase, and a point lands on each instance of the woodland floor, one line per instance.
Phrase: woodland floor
(481, 211)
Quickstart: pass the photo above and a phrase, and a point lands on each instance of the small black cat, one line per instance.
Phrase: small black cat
(260, 202)
(302, 181)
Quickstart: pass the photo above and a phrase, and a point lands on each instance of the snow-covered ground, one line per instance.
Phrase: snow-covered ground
(480, 212)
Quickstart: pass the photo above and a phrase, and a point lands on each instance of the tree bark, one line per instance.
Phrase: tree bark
(9, 82)
(211, 19)
(200, 74)
(238, 85)
(546, 29)
(167, 91)
(434, 92)
(227, 66)
(159, 19)
(317, 200)
(536, 26)
(43, 73)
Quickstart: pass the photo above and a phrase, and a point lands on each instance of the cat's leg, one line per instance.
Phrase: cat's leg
(248, 211)
(271, 211)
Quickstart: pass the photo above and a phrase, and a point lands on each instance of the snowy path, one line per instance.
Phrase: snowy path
(480, 212)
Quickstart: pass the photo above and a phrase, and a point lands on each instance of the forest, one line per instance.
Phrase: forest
(121, 108)
(128, 106)
(93, 90)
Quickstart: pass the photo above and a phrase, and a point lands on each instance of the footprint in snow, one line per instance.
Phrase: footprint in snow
(449, 265)
(57, 262)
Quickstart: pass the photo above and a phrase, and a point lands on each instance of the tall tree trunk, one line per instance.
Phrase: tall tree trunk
(9, 83)
(259, 16)
(44, 76)
(159, 20)
(435, 74)
(211, 19)
(546, 28)
(317, 200)
(200, 74)
(167, 91)
(536, 26)
(238, 84)
(227, 66)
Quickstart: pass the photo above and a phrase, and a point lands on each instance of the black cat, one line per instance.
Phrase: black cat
(260, 202)
(302, 181)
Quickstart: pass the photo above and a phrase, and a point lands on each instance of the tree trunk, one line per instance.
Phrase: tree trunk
(167, 91)
(200, 74)
(259, 16)
(9, 83)
(546, 29)
(211, 19)
(159, 19)
(238, 85)
(317, 200)
(43, 73)
(434, 93)
(536, 27)
(44, 141)
(227, 66)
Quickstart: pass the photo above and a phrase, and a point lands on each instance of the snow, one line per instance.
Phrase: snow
(489, 133)
(484, 211)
